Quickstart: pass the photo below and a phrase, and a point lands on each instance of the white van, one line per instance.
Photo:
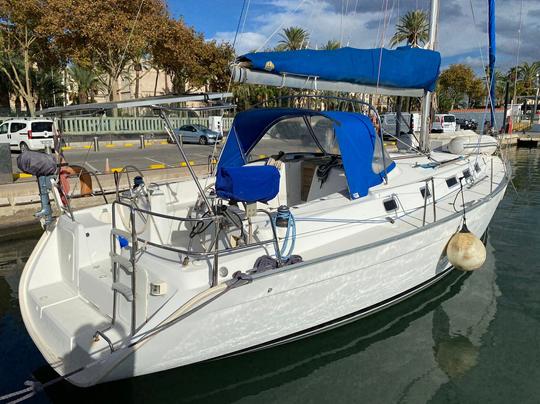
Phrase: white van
(444, 123)
(27, 134)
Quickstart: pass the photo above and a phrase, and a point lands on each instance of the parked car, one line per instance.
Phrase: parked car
(27, 134)
(467, 123)
(195, 133)
(444, 123)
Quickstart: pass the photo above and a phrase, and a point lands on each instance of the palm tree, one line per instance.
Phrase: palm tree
(48, 87)
(332, 44)
(413, 27)
(527, 74)
(293, 38)
(141, 65)
(87, 82)
(500, 86)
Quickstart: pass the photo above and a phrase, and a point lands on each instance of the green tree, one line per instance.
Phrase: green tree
(293, 38)
(192, 61)
(332, 44)
(106, 34)
(6, 89)
(217, 59)
(86, 81)
(413, 28)
(22, 40)
(180, 52)
(476, 92)
(527, 75)
(456, 82)
(48, 87)
(516, 86)
(141, 64)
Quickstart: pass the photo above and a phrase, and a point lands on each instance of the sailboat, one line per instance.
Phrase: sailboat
(307, 224)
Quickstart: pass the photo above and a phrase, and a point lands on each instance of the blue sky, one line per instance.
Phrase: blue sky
(208, 16)
(368, 23)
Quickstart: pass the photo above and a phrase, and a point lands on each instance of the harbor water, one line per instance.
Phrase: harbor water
(471, 338)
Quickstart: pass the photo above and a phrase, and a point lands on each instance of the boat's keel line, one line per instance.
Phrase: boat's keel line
(349, 318)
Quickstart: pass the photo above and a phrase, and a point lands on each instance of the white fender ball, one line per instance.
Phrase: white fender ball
(465, 251)
(457, 145)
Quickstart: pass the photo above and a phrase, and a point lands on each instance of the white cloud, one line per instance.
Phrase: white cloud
(369, 26)
(245, 42)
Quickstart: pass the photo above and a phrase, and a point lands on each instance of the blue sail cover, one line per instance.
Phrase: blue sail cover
(404, 67)
(354, 132)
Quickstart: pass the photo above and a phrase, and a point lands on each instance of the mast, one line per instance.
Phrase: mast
(491, 5)
(426, 103)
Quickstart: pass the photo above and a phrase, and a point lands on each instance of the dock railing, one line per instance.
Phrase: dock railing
(97, 125)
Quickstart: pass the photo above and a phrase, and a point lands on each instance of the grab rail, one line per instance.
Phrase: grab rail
(207, 219)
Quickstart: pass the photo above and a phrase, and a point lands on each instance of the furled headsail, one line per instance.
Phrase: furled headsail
(403, 71)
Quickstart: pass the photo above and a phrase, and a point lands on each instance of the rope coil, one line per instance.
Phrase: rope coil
(284, 215)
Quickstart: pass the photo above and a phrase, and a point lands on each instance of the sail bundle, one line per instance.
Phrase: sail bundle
(403, 71)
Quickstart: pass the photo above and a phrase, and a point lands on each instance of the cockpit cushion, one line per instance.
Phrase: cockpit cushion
(247, 183)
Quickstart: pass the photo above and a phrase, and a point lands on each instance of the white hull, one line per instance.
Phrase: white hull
(356, 278)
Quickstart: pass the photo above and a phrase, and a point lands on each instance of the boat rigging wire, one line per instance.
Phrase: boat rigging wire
(117, 72)
(349, 35)
(517, 50)
(279, 27)
(240, 23)
(239, 31)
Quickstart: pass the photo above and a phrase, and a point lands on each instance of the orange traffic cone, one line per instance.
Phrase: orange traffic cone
(107, 167)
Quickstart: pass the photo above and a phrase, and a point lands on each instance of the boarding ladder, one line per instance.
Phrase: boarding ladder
(118, 263)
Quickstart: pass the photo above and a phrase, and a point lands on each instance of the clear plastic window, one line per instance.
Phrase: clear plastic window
(381, 158)
(323, 128)
(288, 136)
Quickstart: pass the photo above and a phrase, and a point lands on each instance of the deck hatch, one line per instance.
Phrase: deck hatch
(451, 182)
(390, 204)
(423, 192)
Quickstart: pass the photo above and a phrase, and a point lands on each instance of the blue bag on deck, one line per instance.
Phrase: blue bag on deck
(247, 183)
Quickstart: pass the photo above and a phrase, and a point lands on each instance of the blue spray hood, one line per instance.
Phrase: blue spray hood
(354, 132)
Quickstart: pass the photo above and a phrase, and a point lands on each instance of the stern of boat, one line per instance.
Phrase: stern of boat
(65, 292)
